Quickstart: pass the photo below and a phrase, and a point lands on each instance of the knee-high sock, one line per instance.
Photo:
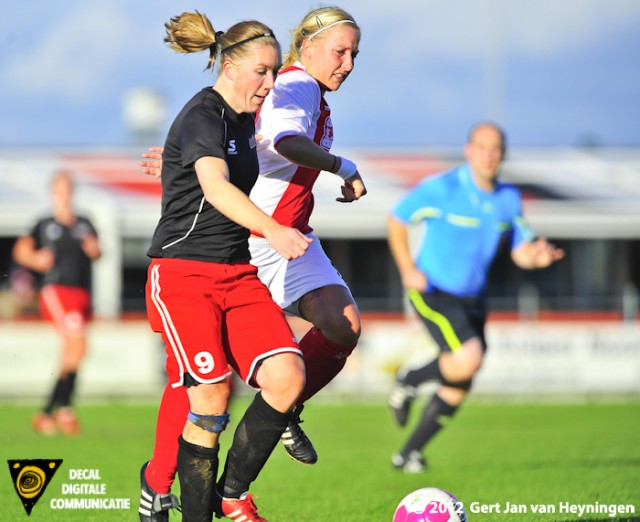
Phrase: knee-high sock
(55, 397)
(324, 360)
(435, 415)
(430, 372)
(172, 416)
(67, 389)
(197, 471)
(257, 434)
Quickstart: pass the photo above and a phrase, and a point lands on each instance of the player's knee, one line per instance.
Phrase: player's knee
(470, 368)
(464, 366)
(343, 331)
(347, 338)
(282, 375)
(207, 399)
(470, 358)
(473, 366)
(292, 378)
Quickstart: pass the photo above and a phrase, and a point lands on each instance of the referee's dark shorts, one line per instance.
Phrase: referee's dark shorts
(451, 320)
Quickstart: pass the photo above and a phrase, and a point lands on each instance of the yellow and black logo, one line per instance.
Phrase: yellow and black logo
(31, 478)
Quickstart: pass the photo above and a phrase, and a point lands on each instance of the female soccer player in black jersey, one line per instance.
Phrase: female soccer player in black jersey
(203, 295)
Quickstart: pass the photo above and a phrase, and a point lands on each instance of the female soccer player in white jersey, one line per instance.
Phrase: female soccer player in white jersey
(296, 134)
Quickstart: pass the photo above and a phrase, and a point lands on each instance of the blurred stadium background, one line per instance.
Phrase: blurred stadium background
(571, 329)
(563, 79)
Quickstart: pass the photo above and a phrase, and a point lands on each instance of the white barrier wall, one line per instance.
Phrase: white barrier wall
(523, 357)
(578, 357)
(126, 358)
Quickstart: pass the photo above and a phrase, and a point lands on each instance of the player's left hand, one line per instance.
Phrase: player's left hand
(414, 279)
(289, 242)
(352, 189)
(545, 253)
(152, 168)
(91, 247)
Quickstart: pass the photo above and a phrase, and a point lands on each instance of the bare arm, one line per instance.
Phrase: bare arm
(213, 175)
(531, 255)
(26, 254)
(302, 151)
(91, 247)
(398, 239)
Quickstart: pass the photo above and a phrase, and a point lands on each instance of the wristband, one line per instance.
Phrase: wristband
(347, 168)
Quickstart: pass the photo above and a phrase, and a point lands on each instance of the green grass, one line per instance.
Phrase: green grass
(491, 454)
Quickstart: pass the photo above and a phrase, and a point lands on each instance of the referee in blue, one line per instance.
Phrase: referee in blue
(469, 214)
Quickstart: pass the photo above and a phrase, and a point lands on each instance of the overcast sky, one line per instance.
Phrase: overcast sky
(552, 72)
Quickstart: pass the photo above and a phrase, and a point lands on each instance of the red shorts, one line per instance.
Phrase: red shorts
(212, 316)
(67, 307)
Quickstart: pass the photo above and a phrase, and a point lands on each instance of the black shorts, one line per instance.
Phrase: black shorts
(451, 320)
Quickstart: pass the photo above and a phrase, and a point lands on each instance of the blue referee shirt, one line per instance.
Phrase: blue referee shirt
(465, 228)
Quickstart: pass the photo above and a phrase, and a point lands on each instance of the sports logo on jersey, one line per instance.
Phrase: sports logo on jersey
(80, 230)
(327, 138)
(53, 231)
(252, 142)
(232, 150)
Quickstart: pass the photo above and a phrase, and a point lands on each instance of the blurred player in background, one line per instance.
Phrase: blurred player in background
(61, 248)
(468, 215)
(295, 133)
(202, 293)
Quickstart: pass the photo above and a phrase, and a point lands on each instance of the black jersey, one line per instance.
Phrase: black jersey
(189, 227)
(72, 267)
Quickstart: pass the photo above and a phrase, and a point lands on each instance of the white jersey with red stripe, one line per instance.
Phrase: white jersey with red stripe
(295, 107)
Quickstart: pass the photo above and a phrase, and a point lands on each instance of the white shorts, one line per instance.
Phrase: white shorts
(288, 281)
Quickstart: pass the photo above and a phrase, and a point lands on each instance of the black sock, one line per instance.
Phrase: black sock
(431, 421)
(429, 373)
(55, 397)
(197, 472)
(253, 441)
(67, 388)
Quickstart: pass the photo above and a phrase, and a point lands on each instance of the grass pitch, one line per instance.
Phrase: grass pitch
(547, 462)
